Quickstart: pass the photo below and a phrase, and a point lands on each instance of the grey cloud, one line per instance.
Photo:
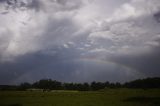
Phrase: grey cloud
(34, 4)
(65, 41)
(5, 39)
(146, 60)
(52, 30)
(22, 5)
(28, 64)
(58, 29)
(57, 5)
(38, 5)
(157, 16)
(70, 4)
(2, 0)
(34, 66)
(147, 63)
(63, 66)
(131, 34)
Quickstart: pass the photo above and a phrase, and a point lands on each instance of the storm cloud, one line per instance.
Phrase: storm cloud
(79, 40)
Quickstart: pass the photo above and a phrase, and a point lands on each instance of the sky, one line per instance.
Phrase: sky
(79, 40)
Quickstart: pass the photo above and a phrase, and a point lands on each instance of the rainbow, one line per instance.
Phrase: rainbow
(106, 62)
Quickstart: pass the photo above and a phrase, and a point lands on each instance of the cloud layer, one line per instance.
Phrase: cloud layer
(79, 40)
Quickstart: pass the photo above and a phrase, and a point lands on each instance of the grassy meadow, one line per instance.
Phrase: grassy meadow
(107, 97)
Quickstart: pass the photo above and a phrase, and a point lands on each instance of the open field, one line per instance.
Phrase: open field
(108, 97)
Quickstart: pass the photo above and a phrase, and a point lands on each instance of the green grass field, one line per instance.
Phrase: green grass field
(108, 97)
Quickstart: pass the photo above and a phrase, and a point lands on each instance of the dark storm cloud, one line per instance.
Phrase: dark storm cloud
(57, 5)
(147, 63)
(157, 16)
(10, 2)
(35, 66)
(34, 4)
(64, 66)
(70, 4)
(2, 0)
(19, 4)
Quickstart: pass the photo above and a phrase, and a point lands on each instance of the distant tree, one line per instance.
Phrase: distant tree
(86, 86)
(48, 84)
(69, 86)
(118, 85)
(24, 86)
(83, 87)
(97, 85)
(8, 87)
(106, 84)
(144, 83)
(112, 85)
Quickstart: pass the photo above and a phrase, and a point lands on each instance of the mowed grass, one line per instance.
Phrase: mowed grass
(107, 97)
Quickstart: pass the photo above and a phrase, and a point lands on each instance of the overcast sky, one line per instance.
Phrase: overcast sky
(79, 40)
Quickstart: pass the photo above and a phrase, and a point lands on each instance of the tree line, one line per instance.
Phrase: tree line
(49, 84)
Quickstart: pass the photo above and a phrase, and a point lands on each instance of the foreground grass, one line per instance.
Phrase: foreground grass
(108, 97)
